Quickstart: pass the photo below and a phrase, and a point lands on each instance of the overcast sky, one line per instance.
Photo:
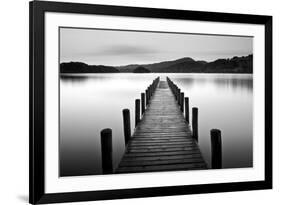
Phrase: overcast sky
(107, 47)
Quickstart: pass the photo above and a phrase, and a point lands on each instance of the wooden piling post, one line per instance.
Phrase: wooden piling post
(182, 101)
(142, 103)
(186, 102)
(146, 97)
(106, 151)
(148, 93)
(195, 123)
(127, 125)
(137, 111)
(216, 149)
(179, 95)
(175, 92)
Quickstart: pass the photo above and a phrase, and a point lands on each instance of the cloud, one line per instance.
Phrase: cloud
(122, 50)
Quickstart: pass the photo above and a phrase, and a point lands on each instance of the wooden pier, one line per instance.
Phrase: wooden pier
(162, 139)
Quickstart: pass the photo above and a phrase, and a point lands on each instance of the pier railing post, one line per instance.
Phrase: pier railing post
(216, 149)
(106, 151)
(137, 111)
(176, 93)
(186, 102)
(195, 123)
(142, 103)
(175, 90)
(148, 94)
(179, 95)
(146, 97)
(126, 125)
(182, 101)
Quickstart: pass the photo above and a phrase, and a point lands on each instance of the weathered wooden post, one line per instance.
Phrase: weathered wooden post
(195, 123)
(182, 101)
(146, 97)
(126, 125)
(106, 151)
(216, 149)
(142, 103)
(179, 95)
(186, 102)
(137, 111)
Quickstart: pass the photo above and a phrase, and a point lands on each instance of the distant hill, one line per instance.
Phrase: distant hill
(236, 64)
(188, 65)
(141, 69)
(78, 67)
(158, 67)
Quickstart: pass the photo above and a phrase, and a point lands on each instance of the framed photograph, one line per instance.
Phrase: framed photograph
(130, 102)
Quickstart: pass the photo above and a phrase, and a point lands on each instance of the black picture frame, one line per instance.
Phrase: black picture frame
(37, 194)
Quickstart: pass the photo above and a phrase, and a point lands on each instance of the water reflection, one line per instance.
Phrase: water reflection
(73, 78)
(90, 103)
(226, 81)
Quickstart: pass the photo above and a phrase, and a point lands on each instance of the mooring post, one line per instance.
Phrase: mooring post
(127, 125)
(148, 92)
(106, 151)
(179, 96)
(195, 123)
(137, 112)
(146, 97)
(186, 102)
(142, 103)
(182, 101)
(216, 149)
(175, 91)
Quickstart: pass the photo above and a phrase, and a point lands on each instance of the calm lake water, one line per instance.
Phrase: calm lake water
(92, 102)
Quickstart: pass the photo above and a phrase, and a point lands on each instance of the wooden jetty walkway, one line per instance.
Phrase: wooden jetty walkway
(162, 138)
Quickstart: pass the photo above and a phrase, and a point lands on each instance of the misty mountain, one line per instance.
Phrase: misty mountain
(78, 67)
(188, 65)
(141, 69)
(162, 66)
(236, 64)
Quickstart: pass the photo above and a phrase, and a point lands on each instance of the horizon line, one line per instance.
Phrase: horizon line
(156, 62)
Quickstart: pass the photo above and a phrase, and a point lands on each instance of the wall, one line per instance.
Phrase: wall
(14, 100)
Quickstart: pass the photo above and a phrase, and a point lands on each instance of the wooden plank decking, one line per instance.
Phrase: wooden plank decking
(162, 141)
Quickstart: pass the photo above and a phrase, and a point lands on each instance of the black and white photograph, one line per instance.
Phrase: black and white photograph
(131, 102)
(135, 101)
